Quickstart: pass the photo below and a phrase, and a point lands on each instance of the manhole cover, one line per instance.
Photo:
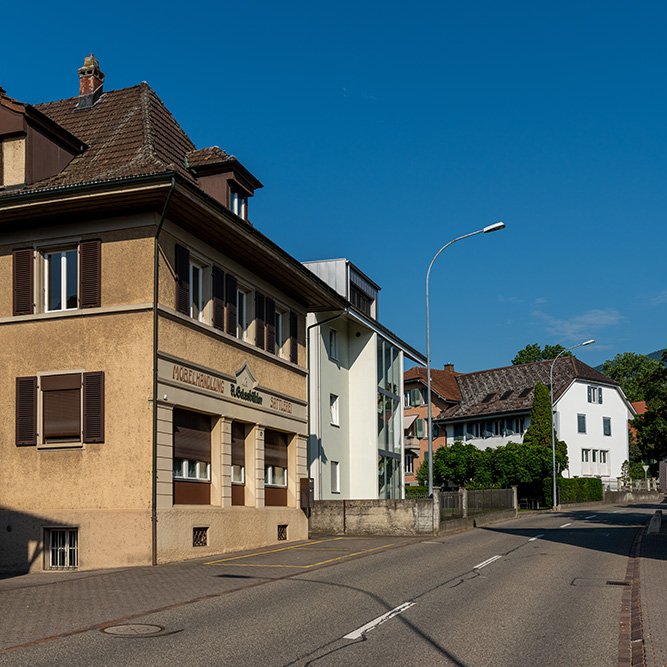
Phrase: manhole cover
(133, 630)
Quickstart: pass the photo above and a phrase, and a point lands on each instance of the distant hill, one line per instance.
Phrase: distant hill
(654, 355)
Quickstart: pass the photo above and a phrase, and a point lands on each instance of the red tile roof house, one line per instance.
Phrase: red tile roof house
(591, 413)
(444, 392)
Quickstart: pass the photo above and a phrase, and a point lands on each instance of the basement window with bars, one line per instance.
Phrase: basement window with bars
(282, 532)
(200, 537)
(62, 548)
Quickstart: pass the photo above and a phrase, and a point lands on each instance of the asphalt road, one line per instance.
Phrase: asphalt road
(528, 592)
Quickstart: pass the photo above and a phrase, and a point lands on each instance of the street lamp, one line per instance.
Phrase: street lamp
(491, 228)
(554, 500)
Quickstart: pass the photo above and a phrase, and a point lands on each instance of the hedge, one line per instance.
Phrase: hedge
(575, 490)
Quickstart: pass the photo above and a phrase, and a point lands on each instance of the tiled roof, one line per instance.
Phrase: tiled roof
(442, 382)
(207, 156)
(129, 132)
(511, 388)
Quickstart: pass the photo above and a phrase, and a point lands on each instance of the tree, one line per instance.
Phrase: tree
(651, 427)
(629, 370)
(459, 464)
(534, 352)
(540, 430)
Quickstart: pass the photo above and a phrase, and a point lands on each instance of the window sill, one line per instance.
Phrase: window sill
(60, 445)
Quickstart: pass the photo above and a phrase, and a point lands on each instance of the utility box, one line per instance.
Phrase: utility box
(307, 492)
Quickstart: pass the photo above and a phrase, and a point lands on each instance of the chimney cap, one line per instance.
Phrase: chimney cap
(91, 67)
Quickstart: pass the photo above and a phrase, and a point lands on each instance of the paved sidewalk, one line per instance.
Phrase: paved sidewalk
(653, 595)
(35, 607)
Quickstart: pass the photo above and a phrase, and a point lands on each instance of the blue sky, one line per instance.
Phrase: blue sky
(383, 130)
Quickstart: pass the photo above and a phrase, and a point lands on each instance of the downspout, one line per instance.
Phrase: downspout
(155, 373)
(319, 402)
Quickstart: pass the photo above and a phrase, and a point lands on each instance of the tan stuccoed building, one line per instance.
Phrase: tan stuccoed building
(145, 419)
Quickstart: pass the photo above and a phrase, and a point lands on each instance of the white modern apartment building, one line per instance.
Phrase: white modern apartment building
(355, 392)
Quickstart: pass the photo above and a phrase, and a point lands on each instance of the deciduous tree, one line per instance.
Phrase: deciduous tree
(630, 370)
(534, 352)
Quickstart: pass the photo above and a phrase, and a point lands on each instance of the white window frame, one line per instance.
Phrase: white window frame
(47, 253)
(334, 411)
(333, 344)
(69, 547)
(203, 470)
(409, 464)
(199, 300)
(594, 394)
(270, 476)
(605, 421)
(335, 477)
(238, 204)
(585, 455)
(243, 319)
(240, 469)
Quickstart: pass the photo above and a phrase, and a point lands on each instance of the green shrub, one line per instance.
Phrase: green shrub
(580, 489)
(416, 492)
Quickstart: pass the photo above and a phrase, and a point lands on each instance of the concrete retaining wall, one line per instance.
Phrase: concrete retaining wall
(375, 517)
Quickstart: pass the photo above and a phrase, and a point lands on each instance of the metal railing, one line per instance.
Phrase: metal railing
(464, 502)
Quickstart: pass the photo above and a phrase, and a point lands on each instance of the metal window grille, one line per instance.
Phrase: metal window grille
(200, 537)
(63, 548)
(282, 531)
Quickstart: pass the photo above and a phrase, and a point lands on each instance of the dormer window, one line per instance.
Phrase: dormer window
(238, 204)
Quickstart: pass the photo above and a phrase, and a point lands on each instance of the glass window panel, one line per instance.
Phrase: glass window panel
(382, 482)
(54, 261)
(192, 469)
(237, 474)
(178, 467)
(279, 475)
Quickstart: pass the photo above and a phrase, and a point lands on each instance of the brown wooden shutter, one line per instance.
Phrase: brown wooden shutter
(93, 407)
(238, 444)
(26, 411)
(294, 338)
(218, 277)
(23, 267)
(90, 274)
(182, 280)
(192, 435)
(231, 288)
(61, 406)
(270, 325)
(275, 448)
(259, 320)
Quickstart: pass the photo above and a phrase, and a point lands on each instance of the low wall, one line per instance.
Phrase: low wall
(375, 517)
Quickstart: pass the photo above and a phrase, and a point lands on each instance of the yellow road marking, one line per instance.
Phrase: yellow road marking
(305, 567)
(272, 551)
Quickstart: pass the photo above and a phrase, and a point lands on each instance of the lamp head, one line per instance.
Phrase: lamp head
(494, 227)
(588, 342)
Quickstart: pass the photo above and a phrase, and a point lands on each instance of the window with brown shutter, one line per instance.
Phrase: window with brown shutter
(259, 320)
(93, 407)
(270, 325)
(218, 279)
(182, 280)
(23, 268)
(231, 286)
(192, 457)
(294, 338)
(61, 408)
(238, 463)
(275, 468)
(90, 258)
(26, 411)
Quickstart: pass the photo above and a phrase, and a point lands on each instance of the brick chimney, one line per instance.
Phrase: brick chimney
(91, 79)
(449, 368)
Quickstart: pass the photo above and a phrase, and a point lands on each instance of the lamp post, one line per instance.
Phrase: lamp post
(554, 500)
(491, 228)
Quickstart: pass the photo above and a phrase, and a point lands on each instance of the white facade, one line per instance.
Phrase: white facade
(355, 394)
(596, 432)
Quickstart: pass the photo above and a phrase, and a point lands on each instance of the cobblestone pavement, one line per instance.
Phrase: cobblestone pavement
(653, 592)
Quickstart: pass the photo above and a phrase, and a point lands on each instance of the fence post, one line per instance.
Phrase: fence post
(515, 499)
(463, 500)
(436, 511)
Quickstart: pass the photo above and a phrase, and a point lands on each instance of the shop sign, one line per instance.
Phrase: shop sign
(197, 379)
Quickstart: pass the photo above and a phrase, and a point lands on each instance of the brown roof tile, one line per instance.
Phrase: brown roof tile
(442, 382)
(129, 132)
(499, 390)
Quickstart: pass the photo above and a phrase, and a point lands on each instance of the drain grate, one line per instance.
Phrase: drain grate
(619, 583)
